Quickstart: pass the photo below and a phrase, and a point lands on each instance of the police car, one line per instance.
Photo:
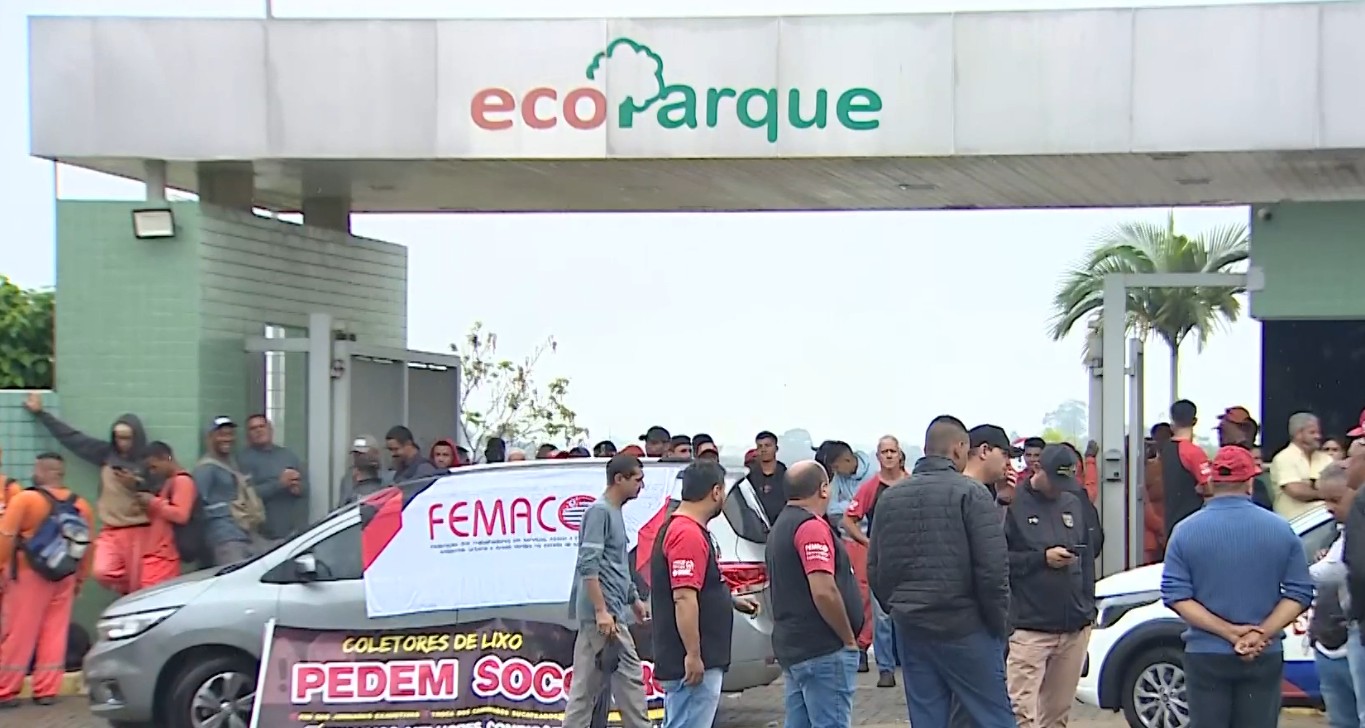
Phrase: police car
(1134, 660)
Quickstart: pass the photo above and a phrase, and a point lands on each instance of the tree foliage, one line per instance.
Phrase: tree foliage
(1071, 418)
(1173, 314)
(501, 397)
(26, 337)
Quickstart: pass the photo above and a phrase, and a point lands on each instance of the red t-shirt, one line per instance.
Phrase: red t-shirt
(687, 550)
(864, 500)
(1196, 462)
(815, 546)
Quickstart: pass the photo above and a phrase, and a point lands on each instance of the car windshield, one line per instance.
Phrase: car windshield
(338, 513)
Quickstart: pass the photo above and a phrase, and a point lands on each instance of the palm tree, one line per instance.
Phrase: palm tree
(1173, 314)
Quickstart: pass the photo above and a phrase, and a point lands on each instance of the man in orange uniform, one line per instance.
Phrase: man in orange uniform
(169, 507)
(36, 610)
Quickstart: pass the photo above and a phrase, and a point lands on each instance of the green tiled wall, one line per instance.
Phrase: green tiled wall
(22, 438)
(1308, 252)
(128, 321)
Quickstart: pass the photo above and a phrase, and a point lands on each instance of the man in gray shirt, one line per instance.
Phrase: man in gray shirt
(278, 477)
(605, 603)
(232, 536)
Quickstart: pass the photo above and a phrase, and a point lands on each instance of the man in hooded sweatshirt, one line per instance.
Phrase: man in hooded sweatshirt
(122, 544)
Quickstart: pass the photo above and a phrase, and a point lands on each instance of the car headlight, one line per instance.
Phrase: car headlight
(1112, 609)
(125, 626)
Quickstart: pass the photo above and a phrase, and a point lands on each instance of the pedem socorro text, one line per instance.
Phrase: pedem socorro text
(672, 105)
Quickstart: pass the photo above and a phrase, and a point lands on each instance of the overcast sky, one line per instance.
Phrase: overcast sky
(846, 324)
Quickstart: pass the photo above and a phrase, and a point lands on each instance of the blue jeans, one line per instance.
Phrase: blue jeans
(1338, 691)
(1355, 656)
(692, 706)
(970, 669)
(819, 691)
(883, 639)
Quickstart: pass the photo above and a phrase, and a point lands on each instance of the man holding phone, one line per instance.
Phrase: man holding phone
(1052, 539)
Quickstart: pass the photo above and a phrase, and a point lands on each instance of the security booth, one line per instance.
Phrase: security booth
(324, 388)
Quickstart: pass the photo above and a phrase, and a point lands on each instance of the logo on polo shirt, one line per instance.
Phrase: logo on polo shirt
(817, 552)
(684, 567)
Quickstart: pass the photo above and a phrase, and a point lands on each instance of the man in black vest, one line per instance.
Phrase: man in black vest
(692, 604)
(817, 608)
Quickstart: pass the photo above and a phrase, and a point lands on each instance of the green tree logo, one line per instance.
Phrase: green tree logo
(625, 47)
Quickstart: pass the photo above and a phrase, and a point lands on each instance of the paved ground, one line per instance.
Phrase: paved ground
(884, 708)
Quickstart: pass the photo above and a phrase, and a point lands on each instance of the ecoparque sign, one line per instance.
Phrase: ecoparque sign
(672, 105)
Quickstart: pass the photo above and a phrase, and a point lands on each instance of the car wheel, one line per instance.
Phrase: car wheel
(1153, 691)
(215, 693)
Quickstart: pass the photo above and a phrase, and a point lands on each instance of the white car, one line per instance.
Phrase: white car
(1134, 660)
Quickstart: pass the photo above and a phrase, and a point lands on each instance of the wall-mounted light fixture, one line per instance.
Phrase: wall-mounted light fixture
(154, 223)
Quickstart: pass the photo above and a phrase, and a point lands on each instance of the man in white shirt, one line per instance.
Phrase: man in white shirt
(1337, 651)
(1294, 470)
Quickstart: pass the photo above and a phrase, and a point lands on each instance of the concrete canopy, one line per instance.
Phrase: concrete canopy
(1119, 107)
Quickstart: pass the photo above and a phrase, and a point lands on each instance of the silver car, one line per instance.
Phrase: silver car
(185, 654)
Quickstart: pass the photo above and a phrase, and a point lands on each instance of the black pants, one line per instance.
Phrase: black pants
(1226, 692)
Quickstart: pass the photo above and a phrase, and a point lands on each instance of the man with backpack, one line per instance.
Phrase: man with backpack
(233, 512)
(45, 539)
(174, 534)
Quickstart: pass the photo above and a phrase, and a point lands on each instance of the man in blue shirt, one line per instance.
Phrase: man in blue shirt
(1237, 574)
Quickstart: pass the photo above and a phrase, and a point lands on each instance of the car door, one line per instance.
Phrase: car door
(322, 585)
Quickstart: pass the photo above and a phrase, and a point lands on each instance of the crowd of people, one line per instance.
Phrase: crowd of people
(976, 581)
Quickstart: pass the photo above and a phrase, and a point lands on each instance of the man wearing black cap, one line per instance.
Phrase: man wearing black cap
(990, 455)
(604, 449)
(679, 447)
(656, 441)
(1052, 594)
(704, 448)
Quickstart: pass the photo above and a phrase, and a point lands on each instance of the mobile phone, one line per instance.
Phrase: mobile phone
(1078, 548)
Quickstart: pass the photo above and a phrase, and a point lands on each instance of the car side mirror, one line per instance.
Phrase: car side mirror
(306, 567)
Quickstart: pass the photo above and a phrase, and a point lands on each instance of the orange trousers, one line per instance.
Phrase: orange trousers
(857, 553)
(126, 561)
(35, 614)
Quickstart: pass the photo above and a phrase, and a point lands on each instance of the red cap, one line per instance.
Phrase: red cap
(749, 455)
(1236, 415)
(1359, 429)
(1234, 464)
(634, 450)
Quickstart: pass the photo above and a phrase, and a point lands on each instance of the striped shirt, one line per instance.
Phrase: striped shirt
(1237, 560)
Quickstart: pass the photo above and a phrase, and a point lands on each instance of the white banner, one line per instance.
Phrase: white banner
(494, 538)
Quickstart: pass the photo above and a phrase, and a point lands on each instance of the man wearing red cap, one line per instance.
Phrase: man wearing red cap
(1357, 435)
(1237, 575)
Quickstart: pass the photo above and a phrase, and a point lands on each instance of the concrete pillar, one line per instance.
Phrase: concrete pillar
(156, 179)
(227, 184)
(331, 213)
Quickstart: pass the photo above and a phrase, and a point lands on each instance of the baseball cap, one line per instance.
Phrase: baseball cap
(221, 421)
(1359, 429)
(679, 440)
(1233, 464)
(750, 454)
(700, 439)
(993, 436)
(632, 450)
(1059, 463)
(706, 446)
(365, 443)
(1236, 415)
(655, 434)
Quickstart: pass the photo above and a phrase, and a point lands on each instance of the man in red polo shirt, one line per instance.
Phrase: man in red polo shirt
(877, 629)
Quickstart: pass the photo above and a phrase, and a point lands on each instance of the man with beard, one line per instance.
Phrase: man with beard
(1236, 427)
(693, 603)
(1294, 470)
(816, 607)
(603, 601)
(656, 441)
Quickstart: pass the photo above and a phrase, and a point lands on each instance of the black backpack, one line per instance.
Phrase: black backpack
(189, 538)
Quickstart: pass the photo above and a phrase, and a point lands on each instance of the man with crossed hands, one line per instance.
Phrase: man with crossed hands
(1237, 574)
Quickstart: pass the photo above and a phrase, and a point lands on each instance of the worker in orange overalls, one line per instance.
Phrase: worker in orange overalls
(171, 506)
(50, 521)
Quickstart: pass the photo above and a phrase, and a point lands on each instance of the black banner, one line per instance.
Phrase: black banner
(499, 673)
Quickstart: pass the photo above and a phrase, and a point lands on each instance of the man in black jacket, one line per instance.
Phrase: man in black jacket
(937, 564)
(1052, 597)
